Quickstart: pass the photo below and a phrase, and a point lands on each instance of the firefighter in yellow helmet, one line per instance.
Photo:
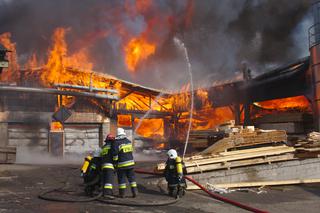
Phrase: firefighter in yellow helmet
(174, 174)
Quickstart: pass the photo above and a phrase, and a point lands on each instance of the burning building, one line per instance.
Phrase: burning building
(45, 91)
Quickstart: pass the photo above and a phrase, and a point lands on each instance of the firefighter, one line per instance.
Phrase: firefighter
(123, 157)
(174, 173)
(107, 166)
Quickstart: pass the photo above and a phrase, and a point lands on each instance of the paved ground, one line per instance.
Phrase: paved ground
(21, 184)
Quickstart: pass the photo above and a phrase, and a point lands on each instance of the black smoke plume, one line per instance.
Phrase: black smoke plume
(219, 35)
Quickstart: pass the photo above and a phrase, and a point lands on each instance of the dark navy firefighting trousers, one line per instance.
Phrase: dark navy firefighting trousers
(124, 174)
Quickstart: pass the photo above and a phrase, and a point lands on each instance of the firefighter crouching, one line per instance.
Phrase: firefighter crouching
(122, 151)
(174, 174)
(107, 166)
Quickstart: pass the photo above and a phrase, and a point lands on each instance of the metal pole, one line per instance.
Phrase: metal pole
(57, 92)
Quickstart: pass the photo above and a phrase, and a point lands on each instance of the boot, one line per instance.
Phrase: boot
(122, 193)
(107, 192)
(134, 191)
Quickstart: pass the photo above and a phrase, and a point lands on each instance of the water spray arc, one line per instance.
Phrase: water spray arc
(182, 47)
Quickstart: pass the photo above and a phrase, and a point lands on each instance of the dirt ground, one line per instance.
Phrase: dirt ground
(20, 186)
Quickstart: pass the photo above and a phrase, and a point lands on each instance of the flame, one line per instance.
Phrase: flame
(136, 51)
(56, 126)
(300, 103)
(59, 61)
(12, 72)
(124, 120)
(143, 6)
(160, 146)
(153, 127)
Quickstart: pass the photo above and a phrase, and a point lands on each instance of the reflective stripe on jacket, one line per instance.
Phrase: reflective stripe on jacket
(122, 151)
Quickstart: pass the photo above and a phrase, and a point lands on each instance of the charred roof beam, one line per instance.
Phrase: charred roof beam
(57, 92)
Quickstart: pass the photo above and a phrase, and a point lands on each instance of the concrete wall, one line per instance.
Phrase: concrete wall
(84, 131)
(287, 170)
(81, 140)
(27, 135)
(3, 134)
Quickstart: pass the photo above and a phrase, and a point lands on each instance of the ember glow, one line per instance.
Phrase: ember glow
(300, 103)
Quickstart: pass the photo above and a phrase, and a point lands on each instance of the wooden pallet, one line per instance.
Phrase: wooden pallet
(240, 163)
(258, 152)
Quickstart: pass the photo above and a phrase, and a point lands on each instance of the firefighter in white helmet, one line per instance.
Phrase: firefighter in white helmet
(122, 151)
(174, 173)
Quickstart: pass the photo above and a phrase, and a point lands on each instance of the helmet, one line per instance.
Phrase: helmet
(120, 131)
(110, 137)
(172, 154)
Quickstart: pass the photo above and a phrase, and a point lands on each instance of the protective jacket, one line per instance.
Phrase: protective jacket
(106, 155)
(122, 153)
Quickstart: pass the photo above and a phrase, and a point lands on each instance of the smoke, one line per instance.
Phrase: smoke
(28, 155)
(219, 35)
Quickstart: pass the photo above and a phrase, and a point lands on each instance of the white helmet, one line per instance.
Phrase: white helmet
(172, 154)
(120, 131)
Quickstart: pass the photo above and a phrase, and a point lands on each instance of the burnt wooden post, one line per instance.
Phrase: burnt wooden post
(246, 77)
(237, 113)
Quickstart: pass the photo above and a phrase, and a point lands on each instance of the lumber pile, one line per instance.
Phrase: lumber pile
(240, 146)
(246, 137)
(265, 183)
(238, 158)
(309, 148)
(252, 153)
(204, 138)
(228, 135)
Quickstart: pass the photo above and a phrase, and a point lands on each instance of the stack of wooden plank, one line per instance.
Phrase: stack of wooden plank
(247, 137)
(309, 148)
(242, 146)
(204, 138)
(199, 138)
(238, 158)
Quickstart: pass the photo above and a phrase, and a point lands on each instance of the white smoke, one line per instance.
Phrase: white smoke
(28, 155)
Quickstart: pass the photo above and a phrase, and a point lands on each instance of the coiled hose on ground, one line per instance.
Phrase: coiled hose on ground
(45, 196)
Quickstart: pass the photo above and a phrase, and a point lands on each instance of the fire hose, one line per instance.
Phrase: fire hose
(45, 196)
(100, 199)
(213, 195)
(139, 171)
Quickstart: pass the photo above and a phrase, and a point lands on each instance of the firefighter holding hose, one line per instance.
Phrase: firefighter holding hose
(174, 174)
